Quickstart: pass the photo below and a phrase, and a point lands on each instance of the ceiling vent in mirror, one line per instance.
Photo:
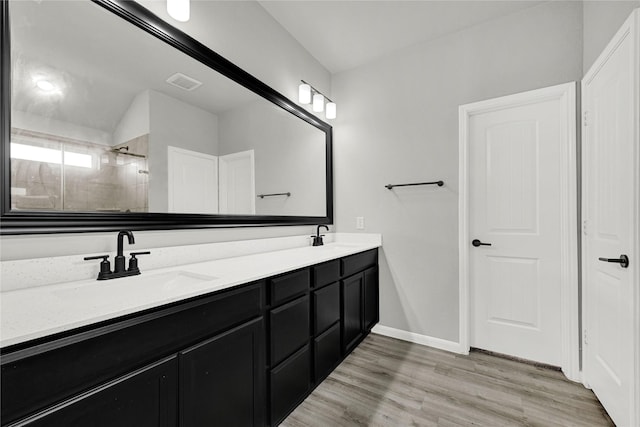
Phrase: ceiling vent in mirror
(183, 82)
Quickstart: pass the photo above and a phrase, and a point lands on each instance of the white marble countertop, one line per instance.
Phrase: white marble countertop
(36, 312)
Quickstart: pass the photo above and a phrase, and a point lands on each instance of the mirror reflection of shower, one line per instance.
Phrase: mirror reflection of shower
(54, 173)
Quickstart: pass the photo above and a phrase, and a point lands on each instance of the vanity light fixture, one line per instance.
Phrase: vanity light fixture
(305, 92)
(318, 102)
(179, 9)
(331, 110)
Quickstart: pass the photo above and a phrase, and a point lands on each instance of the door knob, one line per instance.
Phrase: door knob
(477, 243)
(623, 260)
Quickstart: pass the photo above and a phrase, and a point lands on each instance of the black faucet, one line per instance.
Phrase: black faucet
(119, 270)
(119, 260)
(317, 239)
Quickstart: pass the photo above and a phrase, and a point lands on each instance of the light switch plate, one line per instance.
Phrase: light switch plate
(360, 223)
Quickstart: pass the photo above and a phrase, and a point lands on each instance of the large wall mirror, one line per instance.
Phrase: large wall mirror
(113, 118)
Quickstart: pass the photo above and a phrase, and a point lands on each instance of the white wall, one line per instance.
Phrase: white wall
(601, 21)
(246, 34)
(289, 157)
(135, 121)
(398, 123)
(35, 123)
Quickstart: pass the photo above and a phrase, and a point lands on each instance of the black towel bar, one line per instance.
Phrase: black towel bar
(438, 183)
(262, 196)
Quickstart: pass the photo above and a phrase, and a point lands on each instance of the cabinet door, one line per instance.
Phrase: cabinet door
(326, 352)
(371, 315)
(222, 379)
(352, 295)
(290, 383)
(144, 398)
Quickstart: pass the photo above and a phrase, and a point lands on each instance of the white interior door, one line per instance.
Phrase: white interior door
(193, 182)
(517, 162)
(237, 183)
(610, 191)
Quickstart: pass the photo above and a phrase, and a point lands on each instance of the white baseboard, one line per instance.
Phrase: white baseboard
(434, 342)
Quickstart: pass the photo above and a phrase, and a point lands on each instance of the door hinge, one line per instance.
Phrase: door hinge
(584, 339)
(584, 118)
(585, 227)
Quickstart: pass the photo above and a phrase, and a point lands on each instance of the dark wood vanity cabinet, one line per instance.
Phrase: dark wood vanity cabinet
(222, 380)
(327, 351)
(144, 398)
(360, 307)
(246, 356)
(371, 310)
(352, 314)
(290, 358)
(96, 363)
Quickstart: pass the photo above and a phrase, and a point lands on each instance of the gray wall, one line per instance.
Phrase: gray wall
(289, 156)
(134, 121)
(398, 123)
(601, 21)
(246, 34)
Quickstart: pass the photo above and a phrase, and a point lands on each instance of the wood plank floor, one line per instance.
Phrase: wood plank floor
(387, 382)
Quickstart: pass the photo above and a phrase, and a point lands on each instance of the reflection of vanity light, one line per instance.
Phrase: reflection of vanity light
(45, 85)
(179, 9)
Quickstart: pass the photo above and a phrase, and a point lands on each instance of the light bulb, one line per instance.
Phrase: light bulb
(318, 102)
(331, 110)
(304, 94)
(45, 85)
(179, 9)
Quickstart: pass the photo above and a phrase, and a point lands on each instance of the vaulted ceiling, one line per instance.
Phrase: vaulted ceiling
(346, 34)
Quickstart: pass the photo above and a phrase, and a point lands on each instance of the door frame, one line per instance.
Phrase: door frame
(569, 211)
(630, 28)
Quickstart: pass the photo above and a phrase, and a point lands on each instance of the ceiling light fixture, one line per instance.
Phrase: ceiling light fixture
(45, 85)
(179, 10)
(305, 92)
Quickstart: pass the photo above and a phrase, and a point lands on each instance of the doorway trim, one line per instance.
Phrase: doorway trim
(569, 209)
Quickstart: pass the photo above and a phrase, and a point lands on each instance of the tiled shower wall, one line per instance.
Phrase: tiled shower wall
(114, 181)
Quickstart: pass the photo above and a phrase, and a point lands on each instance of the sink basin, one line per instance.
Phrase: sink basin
(130, 287)
(340, 245)
(171, 280)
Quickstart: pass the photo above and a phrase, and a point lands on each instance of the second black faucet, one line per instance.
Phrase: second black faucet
(317, 239)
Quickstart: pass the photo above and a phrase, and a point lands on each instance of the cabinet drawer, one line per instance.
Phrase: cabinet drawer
(39, 376)
(327, 352)
(288, 286)
(290, 384)
(289, 328)
(326, 307)
(358, 262)
(326, 273)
